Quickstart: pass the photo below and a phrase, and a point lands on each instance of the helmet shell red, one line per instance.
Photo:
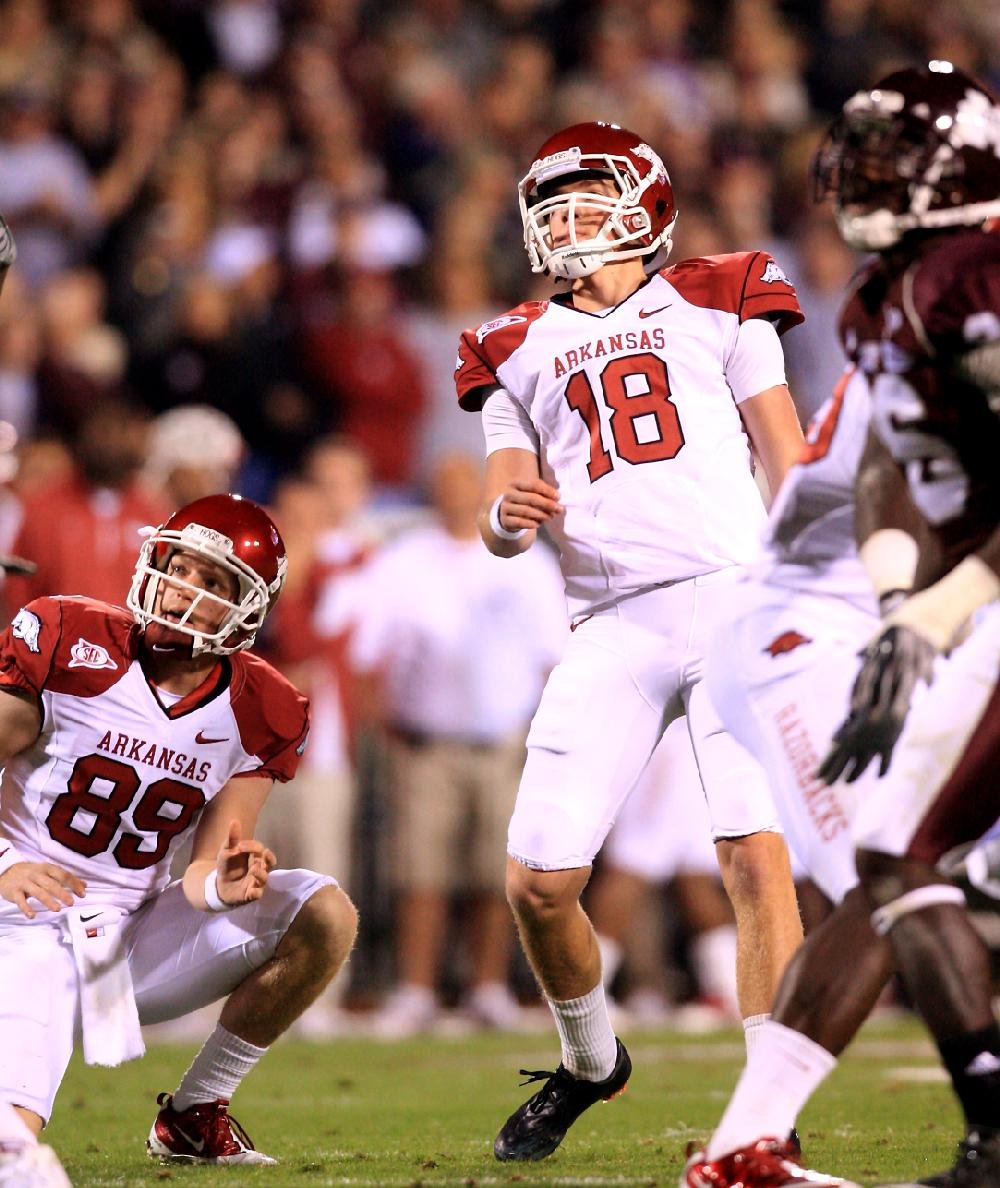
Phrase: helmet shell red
(233, 532)
(640, 219)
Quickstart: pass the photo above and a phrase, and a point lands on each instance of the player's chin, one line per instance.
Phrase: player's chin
(166, 639)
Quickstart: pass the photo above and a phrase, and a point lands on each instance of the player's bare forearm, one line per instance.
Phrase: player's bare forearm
(238, 875)
(235, 809)
(20, 721)
(516, 500)
(773, 427)
(882, 500)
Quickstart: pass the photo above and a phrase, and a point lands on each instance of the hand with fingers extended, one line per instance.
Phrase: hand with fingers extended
(528, 503)
(892, 665)
(47, 884)
(242, 867)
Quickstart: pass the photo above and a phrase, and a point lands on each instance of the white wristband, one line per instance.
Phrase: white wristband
(890, 555)
(213, 901)
(498, 528)
(9, 857)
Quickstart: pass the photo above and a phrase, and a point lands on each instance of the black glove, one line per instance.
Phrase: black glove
(891, 666)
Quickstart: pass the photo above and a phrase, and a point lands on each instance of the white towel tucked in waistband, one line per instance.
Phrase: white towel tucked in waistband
(109, 1017)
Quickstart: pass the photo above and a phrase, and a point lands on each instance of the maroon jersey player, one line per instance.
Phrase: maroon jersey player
(914, 171)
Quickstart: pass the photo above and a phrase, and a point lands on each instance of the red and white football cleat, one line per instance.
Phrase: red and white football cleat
(203, 1133)
(767, 1163)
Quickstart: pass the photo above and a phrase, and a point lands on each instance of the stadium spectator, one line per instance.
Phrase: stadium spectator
(46, 190)
(456, 644)
(84, 358)
(82, 534)
(330, 538)
(369, 376)
(193, 450)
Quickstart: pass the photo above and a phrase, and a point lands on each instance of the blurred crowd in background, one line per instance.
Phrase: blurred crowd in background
(249, 235)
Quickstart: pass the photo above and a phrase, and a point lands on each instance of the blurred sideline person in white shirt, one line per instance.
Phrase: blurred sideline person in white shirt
(457, 644)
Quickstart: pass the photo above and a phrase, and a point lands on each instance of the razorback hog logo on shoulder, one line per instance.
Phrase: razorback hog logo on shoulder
(498, 324)
(84, 654)
(27, 626)
(773, 273)
(787, 641)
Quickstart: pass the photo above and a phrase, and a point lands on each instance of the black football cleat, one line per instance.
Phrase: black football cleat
(539, 1126)
(977, 1165)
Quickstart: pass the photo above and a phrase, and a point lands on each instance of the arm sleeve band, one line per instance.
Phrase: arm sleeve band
(757, 361)
(506, 425)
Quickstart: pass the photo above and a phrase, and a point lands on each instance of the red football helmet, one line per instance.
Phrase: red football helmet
(919, 151)
(639, 219)
(237, 535)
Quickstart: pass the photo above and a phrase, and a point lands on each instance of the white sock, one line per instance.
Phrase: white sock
(752, 1028)
(588, 1042)
(713, 959)
(783, 1071)
(611, 958)
(217, 1070)
(15, 1134)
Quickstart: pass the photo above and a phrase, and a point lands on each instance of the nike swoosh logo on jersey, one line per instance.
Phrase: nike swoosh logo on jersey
(200, 738)
(87, 919)
(648, 313)
(196, 1144)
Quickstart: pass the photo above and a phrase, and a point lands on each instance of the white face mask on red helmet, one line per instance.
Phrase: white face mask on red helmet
(233, 533)
(639, 218)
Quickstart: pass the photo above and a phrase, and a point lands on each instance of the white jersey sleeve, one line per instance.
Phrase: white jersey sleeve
(756, 361)
(809, 542)
(506, 424)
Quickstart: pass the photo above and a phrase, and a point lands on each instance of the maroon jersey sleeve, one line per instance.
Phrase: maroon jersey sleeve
(272, 716)
(483, 349)
(956, 292)
(748, 284)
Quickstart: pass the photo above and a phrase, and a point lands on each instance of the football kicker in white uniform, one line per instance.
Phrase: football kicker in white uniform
(620, 414)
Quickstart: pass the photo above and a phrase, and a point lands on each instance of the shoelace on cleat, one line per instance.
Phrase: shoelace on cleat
(538, 1074)
(241, 1134)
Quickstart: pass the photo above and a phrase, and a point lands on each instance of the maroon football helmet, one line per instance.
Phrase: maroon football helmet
(234, 533)
(918, 151)
(640, 217)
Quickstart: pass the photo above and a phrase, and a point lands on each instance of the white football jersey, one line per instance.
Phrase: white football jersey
(809, 542)
(116, 778)
(636, 411)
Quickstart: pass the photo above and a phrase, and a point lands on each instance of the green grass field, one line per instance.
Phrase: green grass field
(358, 1112)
